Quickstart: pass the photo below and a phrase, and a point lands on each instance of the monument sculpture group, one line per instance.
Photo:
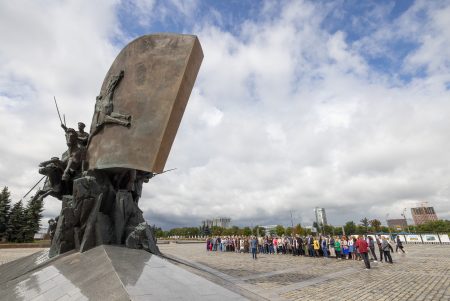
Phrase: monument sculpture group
(99, 178)
(99, 181)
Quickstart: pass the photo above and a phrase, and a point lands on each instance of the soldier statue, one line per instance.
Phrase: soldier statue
(52, 227)
(104, 108)
(82, 136)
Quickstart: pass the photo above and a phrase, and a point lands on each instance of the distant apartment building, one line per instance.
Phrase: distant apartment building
(321, 217)
(223, 222)
(422, 215)
(397, 223)
(269, 229)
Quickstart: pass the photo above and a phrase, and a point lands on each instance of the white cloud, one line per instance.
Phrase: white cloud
(143, 10)
(145, 13)
(284, 116)
(350, 141)
(48, 48)
(212, 117)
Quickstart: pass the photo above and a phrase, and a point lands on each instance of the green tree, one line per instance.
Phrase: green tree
(32, 218)
(350, 228)
(315, 225)
(441, 226)
(337, 230)
(384, 229)
(279, 230)
(376, 224)
(193, 231)
(205, 230)
(5, 205)
(259, 231)
(308, 232)
(328, 229)
(298, 229)
(227, 231)
(365, 223)
(159, 232)
(247, 231)
(216, 231)
(360, 229)
(16, 223)
(187, 231)
(288, 231)
(235, 230)
(412, 228)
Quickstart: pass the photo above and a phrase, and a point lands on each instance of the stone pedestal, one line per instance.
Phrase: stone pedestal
(105, 273)
(97, 214)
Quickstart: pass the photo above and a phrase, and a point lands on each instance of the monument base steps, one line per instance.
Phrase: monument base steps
(105, 273)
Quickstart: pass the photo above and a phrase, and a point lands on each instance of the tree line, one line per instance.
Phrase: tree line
(365, 226)
(19, 222)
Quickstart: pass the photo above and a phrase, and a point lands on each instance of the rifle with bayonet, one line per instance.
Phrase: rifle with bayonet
(155, 174)
(63, 125)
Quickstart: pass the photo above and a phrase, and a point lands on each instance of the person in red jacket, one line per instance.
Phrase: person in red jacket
(363, 248)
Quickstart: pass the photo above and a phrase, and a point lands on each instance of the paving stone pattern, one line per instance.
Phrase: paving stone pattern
(423, 273)
(7, 255)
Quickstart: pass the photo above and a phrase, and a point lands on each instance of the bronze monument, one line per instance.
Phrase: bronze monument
(137, 114)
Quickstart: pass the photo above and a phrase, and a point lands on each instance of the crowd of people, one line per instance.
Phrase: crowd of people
(339, 247)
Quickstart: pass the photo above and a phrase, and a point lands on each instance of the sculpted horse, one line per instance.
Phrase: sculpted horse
(61, 172)
(74, 156)
(53, 186)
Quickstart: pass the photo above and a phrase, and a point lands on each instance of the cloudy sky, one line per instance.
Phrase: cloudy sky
(343, 105)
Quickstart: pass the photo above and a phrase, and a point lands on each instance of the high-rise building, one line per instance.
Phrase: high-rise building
(223, 222)
(422, 215)
(397, 223)
(321, 217)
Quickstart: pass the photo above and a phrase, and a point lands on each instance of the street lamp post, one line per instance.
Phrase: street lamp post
(389, 228)
(404, 216)
(292, 220)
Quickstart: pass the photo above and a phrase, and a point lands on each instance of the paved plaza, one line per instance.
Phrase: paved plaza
(7, 255)
(421, 274)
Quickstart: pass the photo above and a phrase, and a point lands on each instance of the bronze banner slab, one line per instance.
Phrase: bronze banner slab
(139, 110)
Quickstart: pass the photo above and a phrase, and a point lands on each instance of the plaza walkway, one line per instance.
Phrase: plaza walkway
(7, 255)
(421, 274)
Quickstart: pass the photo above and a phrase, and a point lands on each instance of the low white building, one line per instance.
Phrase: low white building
(40, 234)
